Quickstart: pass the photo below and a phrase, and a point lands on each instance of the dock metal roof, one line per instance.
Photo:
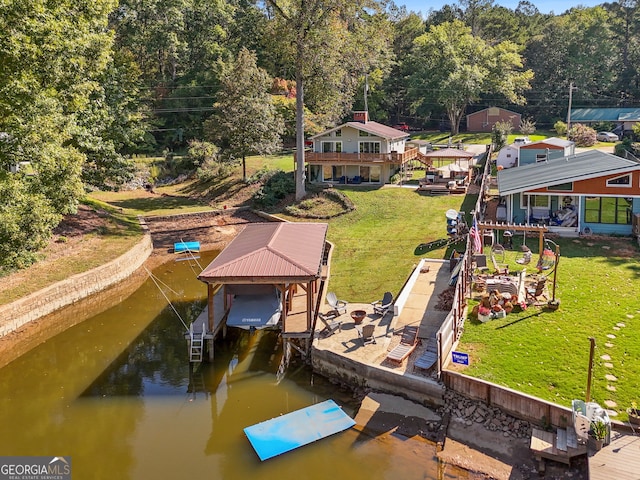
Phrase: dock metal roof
(268, 252)
(581, 166)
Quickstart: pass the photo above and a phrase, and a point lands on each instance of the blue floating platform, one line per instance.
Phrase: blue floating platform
(181, 247)
(296, 429)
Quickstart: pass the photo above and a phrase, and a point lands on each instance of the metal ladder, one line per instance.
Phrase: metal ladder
(197, 345)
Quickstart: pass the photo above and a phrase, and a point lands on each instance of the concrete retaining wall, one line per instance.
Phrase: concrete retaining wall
(43, 302)
(419, 389)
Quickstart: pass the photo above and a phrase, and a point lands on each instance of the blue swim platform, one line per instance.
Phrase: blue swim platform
(180, 247)
(288, 432)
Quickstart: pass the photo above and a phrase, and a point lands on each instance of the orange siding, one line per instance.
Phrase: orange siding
(598, 187)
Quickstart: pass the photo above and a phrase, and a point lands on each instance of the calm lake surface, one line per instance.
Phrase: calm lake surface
(117, 395)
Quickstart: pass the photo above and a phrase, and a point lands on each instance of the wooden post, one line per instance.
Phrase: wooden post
(591, 352)
(210, 295)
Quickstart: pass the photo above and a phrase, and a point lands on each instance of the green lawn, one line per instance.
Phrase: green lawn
(376, 244)
(545, 353)
(480, 138)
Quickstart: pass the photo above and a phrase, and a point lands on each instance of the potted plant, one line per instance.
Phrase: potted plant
(634, 414)
(597, 434)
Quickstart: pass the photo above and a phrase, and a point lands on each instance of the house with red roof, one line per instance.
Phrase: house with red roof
(358, 152)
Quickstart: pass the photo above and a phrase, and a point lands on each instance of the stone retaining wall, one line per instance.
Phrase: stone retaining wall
(43, 302)
(419, 389)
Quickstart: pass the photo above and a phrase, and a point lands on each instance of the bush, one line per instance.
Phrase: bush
(277, 185)
(527, 126)
(395, 178)
(499, 134)
(560, 127)
(582, 135)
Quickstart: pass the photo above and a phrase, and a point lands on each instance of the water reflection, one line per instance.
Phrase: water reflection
(116, 393)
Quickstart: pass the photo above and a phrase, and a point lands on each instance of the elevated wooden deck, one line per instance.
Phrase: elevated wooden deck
(295, 326)
(620, 460)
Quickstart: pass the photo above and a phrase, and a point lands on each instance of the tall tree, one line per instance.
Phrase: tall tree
(576, 46)
(453, 68)
(53, 58)
(245, 120)
(324, 41)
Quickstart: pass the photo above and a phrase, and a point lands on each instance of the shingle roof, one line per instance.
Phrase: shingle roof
(265, 252)
(373, 128)
(604, 114)
(582, 166)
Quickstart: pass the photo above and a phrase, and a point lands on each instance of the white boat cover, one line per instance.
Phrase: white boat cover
(257, 311)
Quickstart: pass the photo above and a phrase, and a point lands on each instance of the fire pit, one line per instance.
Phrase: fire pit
(358, 316)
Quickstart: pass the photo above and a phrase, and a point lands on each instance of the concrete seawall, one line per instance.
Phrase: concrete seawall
(66, 292)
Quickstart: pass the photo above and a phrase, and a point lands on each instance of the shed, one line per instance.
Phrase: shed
(484, 120)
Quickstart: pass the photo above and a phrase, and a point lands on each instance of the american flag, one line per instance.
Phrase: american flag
(476, 241)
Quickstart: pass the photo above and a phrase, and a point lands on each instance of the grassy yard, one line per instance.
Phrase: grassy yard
(546, 353)
(68, 255)
(375, 245)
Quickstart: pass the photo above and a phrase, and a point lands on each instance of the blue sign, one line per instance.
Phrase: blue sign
(459, 357)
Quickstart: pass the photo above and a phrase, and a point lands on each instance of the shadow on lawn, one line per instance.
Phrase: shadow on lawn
(520, 320)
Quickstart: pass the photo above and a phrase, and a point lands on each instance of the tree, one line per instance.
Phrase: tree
(527, 126)
(245, 120)
(582, 135)
(578, 47)
(323, 42)
(499, 134)
(57, 107)
(453, 68)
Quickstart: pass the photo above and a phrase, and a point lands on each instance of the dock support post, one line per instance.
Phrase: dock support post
(210, 349)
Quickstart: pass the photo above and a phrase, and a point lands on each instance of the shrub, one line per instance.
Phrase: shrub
(499, 134)
(527, 126)
(582, 135)
(560, 127)
(276, 187)
(395, 178)
(260, 176)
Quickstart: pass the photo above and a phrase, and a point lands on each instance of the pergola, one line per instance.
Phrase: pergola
(448, 154)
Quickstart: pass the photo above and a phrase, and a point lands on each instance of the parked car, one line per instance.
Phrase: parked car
(402, 126)
(607, 137)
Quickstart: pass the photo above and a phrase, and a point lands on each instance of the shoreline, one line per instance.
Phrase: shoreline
(467, 446)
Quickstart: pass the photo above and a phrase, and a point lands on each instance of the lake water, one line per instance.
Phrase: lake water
(116, 394)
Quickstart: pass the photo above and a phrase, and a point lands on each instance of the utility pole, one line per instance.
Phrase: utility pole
(571, 89)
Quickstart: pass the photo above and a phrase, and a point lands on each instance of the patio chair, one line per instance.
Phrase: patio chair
(340, 306)
(330, 323)
(381, 307)
(366, 334)
(407, 344)
(537, 290)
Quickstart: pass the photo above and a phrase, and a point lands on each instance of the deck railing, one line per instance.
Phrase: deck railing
(355, 158)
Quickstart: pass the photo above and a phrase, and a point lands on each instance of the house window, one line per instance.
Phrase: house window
(369, 147)
(535, 200)
(622, 181)
(331, 147)
(362, 133)
(508, 155)
(616, 210)
(339, 133)
(561, 187)
(541, 157)
(370, 174)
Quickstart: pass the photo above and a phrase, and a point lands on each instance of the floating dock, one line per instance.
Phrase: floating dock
(296, 429)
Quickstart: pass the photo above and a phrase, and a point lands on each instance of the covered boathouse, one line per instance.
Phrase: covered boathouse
(267, 261)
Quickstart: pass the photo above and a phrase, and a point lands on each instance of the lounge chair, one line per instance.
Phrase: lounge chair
(340, 306)
(330, 323)
(380, 307)
(407, 345)
(366, 334)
